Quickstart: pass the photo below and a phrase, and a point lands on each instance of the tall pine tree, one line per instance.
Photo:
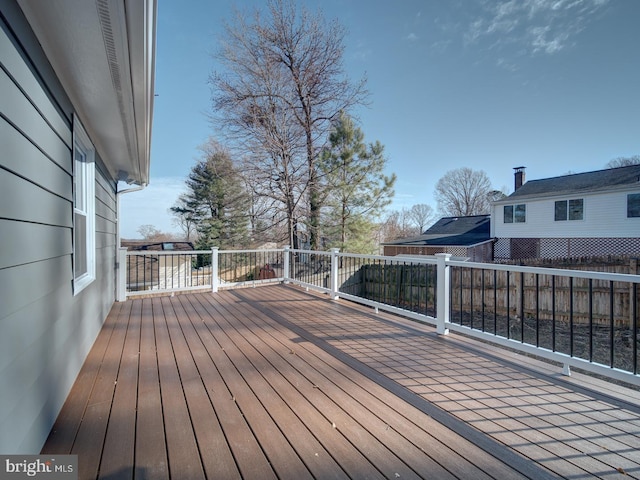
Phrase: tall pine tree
(356, 188)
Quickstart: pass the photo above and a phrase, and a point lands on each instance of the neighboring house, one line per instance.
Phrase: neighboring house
(76, 102)
(584, 214)
(468, 237)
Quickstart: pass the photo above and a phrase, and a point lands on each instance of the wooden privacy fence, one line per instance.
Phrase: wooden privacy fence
(507, 293)
(543, 296)
(408, 286)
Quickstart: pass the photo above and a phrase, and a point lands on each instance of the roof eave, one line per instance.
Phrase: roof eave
(103, 53)
(563, 194)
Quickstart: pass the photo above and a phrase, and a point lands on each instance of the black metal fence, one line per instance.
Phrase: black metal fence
(585, 315)
(404, 284)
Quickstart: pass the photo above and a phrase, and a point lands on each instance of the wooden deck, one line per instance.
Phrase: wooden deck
(273, 382)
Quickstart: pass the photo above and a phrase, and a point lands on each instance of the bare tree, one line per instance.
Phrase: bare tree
(398, 225)
(495, 195)
(183, 217)
(285, 81)
(150, 233)
(463, 192)
(623, 162)
(422, 215)
(252, 99)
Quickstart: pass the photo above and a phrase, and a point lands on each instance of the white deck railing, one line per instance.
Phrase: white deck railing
(580, 319)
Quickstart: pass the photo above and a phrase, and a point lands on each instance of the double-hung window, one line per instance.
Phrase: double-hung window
(84, 262)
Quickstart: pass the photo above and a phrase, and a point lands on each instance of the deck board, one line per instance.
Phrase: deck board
(265, 363)
(334, 414)
(274, 382)
(89, 441)
(67, 424)
(151, 445)
(365, 402)
(499, 414)
(221, 429)
(271, 430)
(119, 443)
(182, 446)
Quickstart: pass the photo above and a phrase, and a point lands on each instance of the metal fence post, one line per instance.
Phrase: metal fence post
(443, 310)
(214, 269)
(121, 278)
(334, 273)
(285, 266)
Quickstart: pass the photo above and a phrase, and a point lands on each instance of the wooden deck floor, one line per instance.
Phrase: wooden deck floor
(273, 382)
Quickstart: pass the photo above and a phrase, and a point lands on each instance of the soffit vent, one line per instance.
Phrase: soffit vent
(104, 14)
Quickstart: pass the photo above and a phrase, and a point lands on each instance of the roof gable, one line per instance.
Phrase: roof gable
(599, 180)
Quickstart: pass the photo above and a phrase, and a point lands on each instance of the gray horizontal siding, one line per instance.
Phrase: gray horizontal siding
(45, 331)
(28, 202)
(23, 158)
(23, 77)
(21, 112)
(24, 242)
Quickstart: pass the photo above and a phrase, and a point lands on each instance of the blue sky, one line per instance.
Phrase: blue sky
(553, 85)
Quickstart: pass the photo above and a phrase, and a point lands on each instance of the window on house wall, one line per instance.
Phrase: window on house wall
(569, 210)
(515, 213)
(508, 214)
(633, 205)
(84, 270)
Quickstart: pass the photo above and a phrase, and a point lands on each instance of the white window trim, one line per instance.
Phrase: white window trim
(567, 218)
(86, 174)
(513, 213)
(627, 204)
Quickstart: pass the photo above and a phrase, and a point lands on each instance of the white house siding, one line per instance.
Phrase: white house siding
(605, 216)
(45, 332)
(604, 230)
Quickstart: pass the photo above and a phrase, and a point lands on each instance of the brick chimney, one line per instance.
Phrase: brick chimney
(519, 177)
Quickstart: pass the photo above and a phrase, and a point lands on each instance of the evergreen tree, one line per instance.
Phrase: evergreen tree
(356, 188)
(217, 200)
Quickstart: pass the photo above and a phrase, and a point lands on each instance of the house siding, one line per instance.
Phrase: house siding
(45, 331)
(604, 230)
(605, 216)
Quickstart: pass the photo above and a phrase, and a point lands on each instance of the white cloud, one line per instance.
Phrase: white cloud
(412, 37)
(541, 43)
(150, 206)
(533, 26)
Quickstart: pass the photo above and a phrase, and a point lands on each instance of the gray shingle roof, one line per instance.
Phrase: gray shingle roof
(452, 231)
(598, 180)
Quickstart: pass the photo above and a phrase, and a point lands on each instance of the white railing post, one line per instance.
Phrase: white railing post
(214, 269)
(286, 265)
(334, 273)
(443, 311)
(121, 275)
